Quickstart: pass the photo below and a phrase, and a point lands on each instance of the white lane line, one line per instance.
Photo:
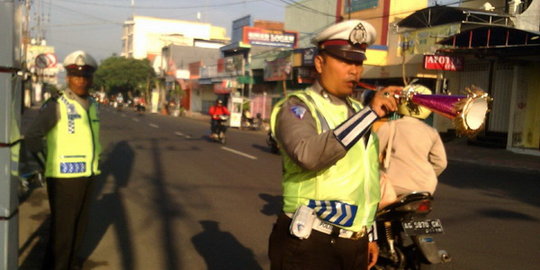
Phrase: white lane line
(135, 119)
(238, 152)
(179, 133)
(153, 125)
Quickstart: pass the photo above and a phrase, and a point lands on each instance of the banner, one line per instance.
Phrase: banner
(443, 62)
(233, 65)
(279, 69)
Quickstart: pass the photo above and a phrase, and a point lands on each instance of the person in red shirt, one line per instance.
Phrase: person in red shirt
(215, 113)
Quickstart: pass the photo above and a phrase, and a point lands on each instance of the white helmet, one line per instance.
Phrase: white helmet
(80, 63)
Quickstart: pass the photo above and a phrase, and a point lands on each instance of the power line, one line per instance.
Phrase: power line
(85, 14)
(306, 8)
(163, 7)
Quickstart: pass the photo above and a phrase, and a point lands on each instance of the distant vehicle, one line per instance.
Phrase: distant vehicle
(221, 129)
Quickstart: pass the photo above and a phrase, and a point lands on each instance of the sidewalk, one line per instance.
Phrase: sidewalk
(459, 150)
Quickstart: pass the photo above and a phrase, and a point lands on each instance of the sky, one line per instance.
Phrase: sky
(95, 26)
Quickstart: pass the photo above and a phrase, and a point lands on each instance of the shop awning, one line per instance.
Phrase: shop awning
(491, 39)
(439, 15)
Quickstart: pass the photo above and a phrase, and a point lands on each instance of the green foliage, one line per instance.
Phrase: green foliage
(121, 75)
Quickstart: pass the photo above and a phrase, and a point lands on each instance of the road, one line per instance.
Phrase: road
(169, 198)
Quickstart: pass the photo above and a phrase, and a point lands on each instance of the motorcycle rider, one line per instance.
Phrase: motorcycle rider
(215, 112)
(417, 154)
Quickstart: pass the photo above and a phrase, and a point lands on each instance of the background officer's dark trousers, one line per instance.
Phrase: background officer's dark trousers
(69, 200)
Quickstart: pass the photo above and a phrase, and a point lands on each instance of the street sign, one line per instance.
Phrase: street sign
(443, 62)
(45, 60)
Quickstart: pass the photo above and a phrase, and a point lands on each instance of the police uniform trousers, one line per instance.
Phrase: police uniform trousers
(69, 200)
(320, 251)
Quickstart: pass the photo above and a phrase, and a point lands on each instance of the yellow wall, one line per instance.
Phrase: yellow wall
(376, 57)
(531, 128)
(219, 33)
(402, 9)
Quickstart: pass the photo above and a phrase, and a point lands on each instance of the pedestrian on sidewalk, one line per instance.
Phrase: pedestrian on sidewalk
(330, 159)
(69, 122)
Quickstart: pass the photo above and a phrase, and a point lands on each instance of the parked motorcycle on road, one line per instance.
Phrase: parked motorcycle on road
(221, 128)
(405, 235)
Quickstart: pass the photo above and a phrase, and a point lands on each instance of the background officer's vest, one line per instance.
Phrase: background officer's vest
(73, 146)
(354, 179)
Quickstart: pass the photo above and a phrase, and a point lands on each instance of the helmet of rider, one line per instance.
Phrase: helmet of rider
(416, 111)
(219, 102)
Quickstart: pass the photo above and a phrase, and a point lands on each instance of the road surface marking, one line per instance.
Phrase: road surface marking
(135, 119)
(153, 125)
(179, 133)
(238, 152)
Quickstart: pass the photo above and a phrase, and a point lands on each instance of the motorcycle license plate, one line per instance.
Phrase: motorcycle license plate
(425, 226)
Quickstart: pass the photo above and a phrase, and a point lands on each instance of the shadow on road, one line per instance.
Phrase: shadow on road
(506, 214)
(38, 239)
(221, 250)
(273, 205)
(494, 181)
(108, 209)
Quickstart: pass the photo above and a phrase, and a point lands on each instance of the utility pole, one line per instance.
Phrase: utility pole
(11, 17)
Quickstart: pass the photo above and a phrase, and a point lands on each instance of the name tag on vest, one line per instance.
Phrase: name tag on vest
(73, 167)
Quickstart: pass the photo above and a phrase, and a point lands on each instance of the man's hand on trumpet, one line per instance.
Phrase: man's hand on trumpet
(384, 101)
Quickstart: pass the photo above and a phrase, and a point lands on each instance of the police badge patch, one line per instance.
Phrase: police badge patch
(298, 111)
(358, 34)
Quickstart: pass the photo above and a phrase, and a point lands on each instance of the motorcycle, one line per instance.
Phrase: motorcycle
(405, 235)
(221, 128)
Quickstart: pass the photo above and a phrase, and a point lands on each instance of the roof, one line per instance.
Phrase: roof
(439, 15)
(507, 41)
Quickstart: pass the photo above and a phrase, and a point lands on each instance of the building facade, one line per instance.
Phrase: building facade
(144, 37)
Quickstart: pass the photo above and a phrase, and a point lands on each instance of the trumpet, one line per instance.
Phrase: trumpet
(468, 112)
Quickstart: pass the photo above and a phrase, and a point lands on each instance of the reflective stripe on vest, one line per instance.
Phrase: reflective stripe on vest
(354, 179)
(73, 146)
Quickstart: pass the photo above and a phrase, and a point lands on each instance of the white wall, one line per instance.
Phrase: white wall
(151, 34)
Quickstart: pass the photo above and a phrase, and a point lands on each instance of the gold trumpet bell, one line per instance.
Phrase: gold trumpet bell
(467, 111)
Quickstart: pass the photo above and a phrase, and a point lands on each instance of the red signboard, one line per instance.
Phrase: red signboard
(443, 62)
(272, 38)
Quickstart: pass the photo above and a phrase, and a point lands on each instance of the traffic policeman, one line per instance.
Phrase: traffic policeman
(69, 122)
(330, 160)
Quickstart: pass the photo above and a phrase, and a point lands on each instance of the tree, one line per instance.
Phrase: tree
(122, 75)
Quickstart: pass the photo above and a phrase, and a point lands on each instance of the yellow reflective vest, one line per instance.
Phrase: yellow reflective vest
(73, 146)
(354, 179)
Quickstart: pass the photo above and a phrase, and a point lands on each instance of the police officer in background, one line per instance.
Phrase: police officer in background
(330, 159)
(69, 122)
